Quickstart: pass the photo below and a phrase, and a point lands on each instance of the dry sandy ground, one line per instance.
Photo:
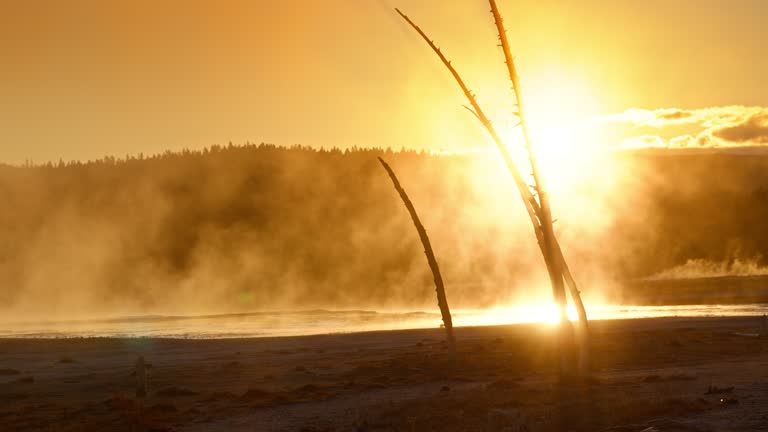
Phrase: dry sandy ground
(649, 375)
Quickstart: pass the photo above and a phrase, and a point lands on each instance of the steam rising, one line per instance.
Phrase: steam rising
(262, 228)
(702, 268)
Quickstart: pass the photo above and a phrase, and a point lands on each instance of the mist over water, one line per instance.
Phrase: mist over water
(702, 268)
(296, 323)
(262, 228)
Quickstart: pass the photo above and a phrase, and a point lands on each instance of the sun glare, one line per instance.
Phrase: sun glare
(545, 313)
(560, 112)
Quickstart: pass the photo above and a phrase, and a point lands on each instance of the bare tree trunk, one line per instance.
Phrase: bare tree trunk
(538, 209)
(556, 264)
(442, 300)
(585, 347)
(531, 205)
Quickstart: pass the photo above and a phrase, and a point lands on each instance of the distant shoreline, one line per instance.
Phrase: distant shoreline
(261, 325)
(729, 290)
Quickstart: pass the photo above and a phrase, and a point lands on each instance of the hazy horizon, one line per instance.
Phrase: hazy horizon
(166, 213)
(85, 79)
(241, 228)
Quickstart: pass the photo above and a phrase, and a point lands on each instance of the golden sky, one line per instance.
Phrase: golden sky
(81, 79)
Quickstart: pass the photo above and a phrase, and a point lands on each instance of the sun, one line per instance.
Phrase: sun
(561, 114)
(550, 314)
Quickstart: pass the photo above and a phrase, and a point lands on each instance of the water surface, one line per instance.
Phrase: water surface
(291, 323)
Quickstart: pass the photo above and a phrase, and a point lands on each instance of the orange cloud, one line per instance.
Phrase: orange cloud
(722, 126)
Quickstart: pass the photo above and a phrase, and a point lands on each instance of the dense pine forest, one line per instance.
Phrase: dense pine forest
(234, 228)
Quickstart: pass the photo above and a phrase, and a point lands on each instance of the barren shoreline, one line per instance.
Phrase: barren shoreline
(645, 371)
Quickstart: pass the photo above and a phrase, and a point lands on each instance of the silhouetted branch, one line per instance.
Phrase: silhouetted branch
(530, 202)
(558, 265)
(538, 209)
(585, 362)
(442, 300)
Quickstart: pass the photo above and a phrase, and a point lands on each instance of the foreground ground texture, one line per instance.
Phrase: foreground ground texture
(704, 374)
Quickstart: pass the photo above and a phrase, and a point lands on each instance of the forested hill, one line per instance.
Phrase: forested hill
(264, 227)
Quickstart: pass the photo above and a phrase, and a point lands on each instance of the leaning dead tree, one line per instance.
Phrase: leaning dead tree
(442, 300)
(556, 262)
(534, 198)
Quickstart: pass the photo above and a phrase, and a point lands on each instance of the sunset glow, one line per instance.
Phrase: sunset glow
(112, 78)
(383, 215)
(545, 313)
